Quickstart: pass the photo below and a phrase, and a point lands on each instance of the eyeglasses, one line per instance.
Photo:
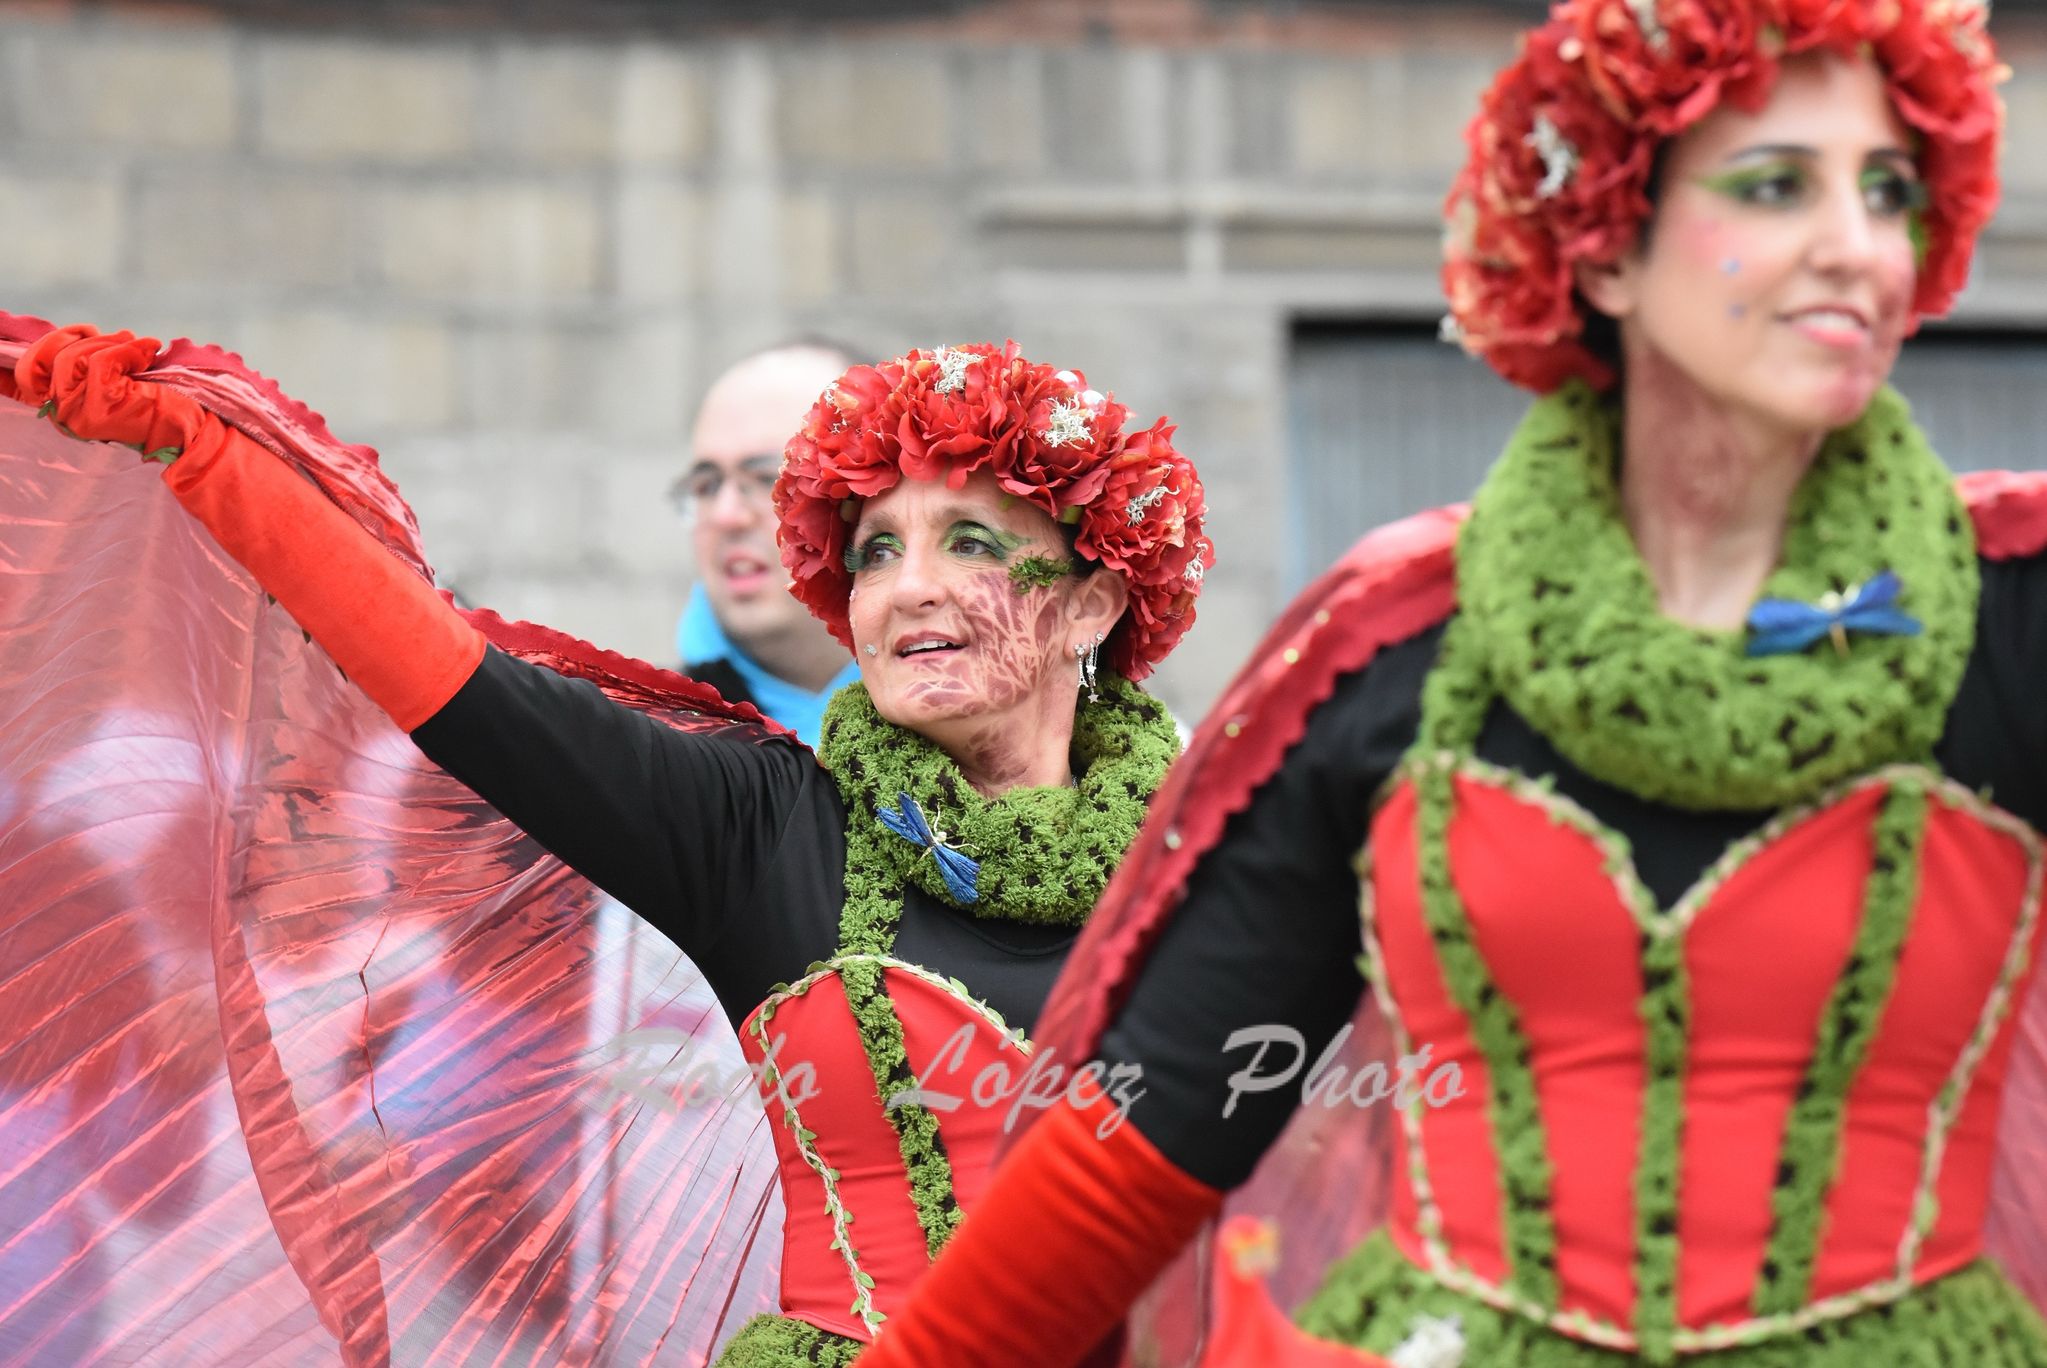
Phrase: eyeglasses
(700, 487)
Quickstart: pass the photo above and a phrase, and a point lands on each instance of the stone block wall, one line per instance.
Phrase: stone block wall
(511, 259)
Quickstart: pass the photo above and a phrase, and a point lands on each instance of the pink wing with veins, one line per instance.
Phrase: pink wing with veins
(301, 1044)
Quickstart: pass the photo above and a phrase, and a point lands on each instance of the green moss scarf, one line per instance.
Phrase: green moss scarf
(1558, 616)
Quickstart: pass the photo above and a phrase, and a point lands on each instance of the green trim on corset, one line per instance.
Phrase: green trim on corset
(784, 1342)
(1811, 1153)
(923, 1149)
(1973, 1318)
(1667, 1017)
(1453, 708)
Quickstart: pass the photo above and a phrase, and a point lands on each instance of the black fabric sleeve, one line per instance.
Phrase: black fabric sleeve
(1268, 936)
(675, 825)
(1997, 729)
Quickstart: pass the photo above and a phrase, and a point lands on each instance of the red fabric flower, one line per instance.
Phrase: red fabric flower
(1045, 437)
(1611, 80)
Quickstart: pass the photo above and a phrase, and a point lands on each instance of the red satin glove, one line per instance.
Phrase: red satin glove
(389, 630)
(1072, 1229)
(88, 380)
(30, 381)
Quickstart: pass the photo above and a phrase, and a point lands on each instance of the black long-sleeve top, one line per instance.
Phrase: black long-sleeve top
(730, 840)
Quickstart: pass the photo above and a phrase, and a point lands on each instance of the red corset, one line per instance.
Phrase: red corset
(1561, 923)
(847, 1214)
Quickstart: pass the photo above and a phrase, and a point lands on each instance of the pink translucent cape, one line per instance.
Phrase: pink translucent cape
(1327, 1183)
(305, 1052)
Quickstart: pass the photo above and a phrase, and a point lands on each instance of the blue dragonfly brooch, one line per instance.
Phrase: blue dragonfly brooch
(1781, 626)
(958, 870)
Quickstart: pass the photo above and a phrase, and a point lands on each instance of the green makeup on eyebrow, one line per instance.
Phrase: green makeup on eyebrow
(1007, 544)
(1738, 183)
(855, 555)
(1037, 572)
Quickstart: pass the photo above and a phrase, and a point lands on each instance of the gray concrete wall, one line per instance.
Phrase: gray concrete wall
(511, 262)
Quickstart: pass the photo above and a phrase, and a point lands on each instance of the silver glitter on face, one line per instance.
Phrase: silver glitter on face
(1068, 425)
(1559, 158)
(952, 370)
(1650, 22)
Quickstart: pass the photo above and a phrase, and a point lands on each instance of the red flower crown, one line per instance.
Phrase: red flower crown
(1136, 503)
(1564, 142)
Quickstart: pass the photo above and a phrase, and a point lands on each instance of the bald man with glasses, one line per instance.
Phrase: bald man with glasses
(743, 633)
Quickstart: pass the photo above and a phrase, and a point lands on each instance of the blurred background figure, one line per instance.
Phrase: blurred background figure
(743, 633)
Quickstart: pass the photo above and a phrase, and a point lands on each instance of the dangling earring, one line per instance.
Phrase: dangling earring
(1080, 662)
(1090, 658)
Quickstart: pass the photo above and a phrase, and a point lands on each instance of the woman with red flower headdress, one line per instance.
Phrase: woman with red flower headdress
(1697, 776)
(1005, 561)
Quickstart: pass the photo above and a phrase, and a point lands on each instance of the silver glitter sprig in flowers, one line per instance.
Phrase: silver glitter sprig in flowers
(1135, 510)
(952, 369)
(1069, 425)
(1559, 158)
(1650, 22)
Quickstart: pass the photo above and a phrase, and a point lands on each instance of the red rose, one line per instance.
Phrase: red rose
(1146, 521)
(1061, 458)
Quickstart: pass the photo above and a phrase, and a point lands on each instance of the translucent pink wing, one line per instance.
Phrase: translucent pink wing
(2010, 512)
(2017, 1230)
(301, 1045)
(1322, 1188)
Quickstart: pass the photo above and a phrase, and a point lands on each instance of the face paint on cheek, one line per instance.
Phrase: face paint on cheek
(1012, 635)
